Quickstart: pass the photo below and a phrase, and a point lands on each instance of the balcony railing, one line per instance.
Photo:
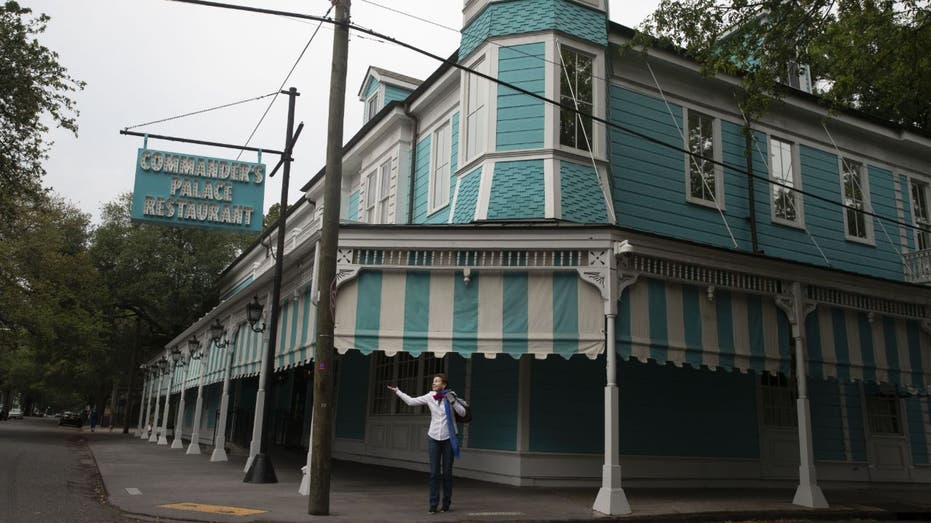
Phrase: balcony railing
(918, 266)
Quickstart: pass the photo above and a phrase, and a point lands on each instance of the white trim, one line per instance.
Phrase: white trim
(480, 61)
(378, 97)
(598, 137)
(552, 189)
(484, 190)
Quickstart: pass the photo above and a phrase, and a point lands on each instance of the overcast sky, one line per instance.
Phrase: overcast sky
(145, 60)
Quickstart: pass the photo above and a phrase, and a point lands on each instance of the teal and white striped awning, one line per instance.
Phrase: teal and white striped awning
(510, 312)
(679, 323)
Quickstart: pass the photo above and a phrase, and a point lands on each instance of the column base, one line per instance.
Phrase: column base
(177, 443)
(611, 501)
(304, 489)
(153, 437)
(162, 440)
(809, 496)
(219, 454)
(248, 463)
(193, 448)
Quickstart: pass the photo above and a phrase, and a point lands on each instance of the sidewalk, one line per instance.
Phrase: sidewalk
(371, 493)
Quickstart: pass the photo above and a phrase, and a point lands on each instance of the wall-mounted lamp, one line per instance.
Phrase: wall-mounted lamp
(710, 293)
(467, 276)
(192, 346)
(254, 314)
(218, 334)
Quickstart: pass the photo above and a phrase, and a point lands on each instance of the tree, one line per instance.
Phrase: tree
(33, 85)
(869, 55)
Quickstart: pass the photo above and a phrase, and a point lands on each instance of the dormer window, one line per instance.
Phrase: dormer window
(798, 76)
(371, 106)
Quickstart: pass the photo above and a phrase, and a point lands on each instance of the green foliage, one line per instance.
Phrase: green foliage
(33, 85)
(865, 54)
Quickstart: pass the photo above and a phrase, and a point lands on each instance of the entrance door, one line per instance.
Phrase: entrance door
(778, 427)
(886, 443)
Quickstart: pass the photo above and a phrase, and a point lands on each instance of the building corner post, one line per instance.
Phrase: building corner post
(163, 433)
(176, 442)
(154, 427)
(194, 446)
(219, 440)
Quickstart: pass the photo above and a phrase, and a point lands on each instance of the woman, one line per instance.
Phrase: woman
(443, 444)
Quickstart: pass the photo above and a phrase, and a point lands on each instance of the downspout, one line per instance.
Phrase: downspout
(410, 196)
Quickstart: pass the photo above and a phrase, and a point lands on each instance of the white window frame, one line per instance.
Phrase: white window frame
(925, 189)
(472, 146)
(371, 186)
(796, 183)
(864, 184)
(580, 145)
(717, 153)
(438, 179)
(374, 98)
(384, 189)
(554, 76)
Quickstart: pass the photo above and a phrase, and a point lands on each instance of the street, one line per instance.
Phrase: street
(48, 475)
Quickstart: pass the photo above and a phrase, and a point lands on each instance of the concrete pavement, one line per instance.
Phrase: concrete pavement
(142, 478)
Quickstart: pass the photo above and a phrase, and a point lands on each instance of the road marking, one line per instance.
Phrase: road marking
(214, 509)
(495, 514)
(133, 491)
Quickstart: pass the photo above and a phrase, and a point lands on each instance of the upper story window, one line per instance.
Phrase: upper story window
(856, 198)
(784, 170)
(705, 178)
(384, 188)
(440, 167)
(922, 220)
(371, 185)
(575, 90)
(476, 102)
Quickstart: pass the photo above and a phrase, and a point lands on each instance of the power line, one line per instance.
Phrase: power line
(521, 90)
(199, 112)
(283, 82)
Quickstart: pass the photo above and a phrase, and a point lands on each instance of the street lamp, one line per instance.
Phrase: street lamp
(254, 314)
(177, 357)
(218, 332)
(192, 345)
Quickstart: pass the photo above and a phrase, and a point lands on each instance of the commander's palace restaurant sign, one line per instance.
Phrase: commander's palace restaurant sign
(185, 190)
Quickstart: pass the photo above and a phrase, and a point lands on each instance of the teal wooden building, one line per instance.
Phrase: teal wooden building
(602, 294)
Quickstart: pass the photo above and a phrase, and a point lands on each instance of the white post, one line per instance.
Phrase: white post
(143, 402)
(194, 447)
(176, 442)
(258, 419)
(153, 429)
(611, 499)
(163, 434)
(219, 441)
(808, 493)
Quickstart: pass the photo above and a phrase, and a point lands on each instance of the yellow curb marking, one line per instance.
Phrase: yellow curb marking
(214, 509)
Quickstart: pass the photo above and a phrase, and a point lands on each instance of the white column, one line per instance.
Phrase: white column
(219, 441)
(163, 434)
(153, 429)
(611, 498)
(808, 493)
(143, 401)
(258, 420)
(176, 442)
(194, 446)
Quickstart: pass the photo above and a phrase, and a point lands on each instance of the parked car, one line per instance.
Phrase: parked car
(71, 418)
(16, 413)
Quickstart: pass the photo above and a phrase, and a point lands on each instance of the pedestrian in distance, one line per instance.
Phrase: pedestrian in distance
(443, 444)
(93, 419)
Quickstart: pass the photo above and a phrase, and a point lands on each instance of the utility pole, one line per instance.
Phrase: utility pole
(321, 449)
(262, 470)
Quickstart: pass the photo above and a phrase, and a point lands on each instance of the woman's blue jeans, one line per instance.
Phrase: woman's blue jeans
(441, 454)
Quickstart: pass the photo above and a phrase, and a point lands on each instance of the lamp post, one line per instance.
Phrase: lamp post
(192, 346)
(255, 317)
(172, 365)
(219, 431)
